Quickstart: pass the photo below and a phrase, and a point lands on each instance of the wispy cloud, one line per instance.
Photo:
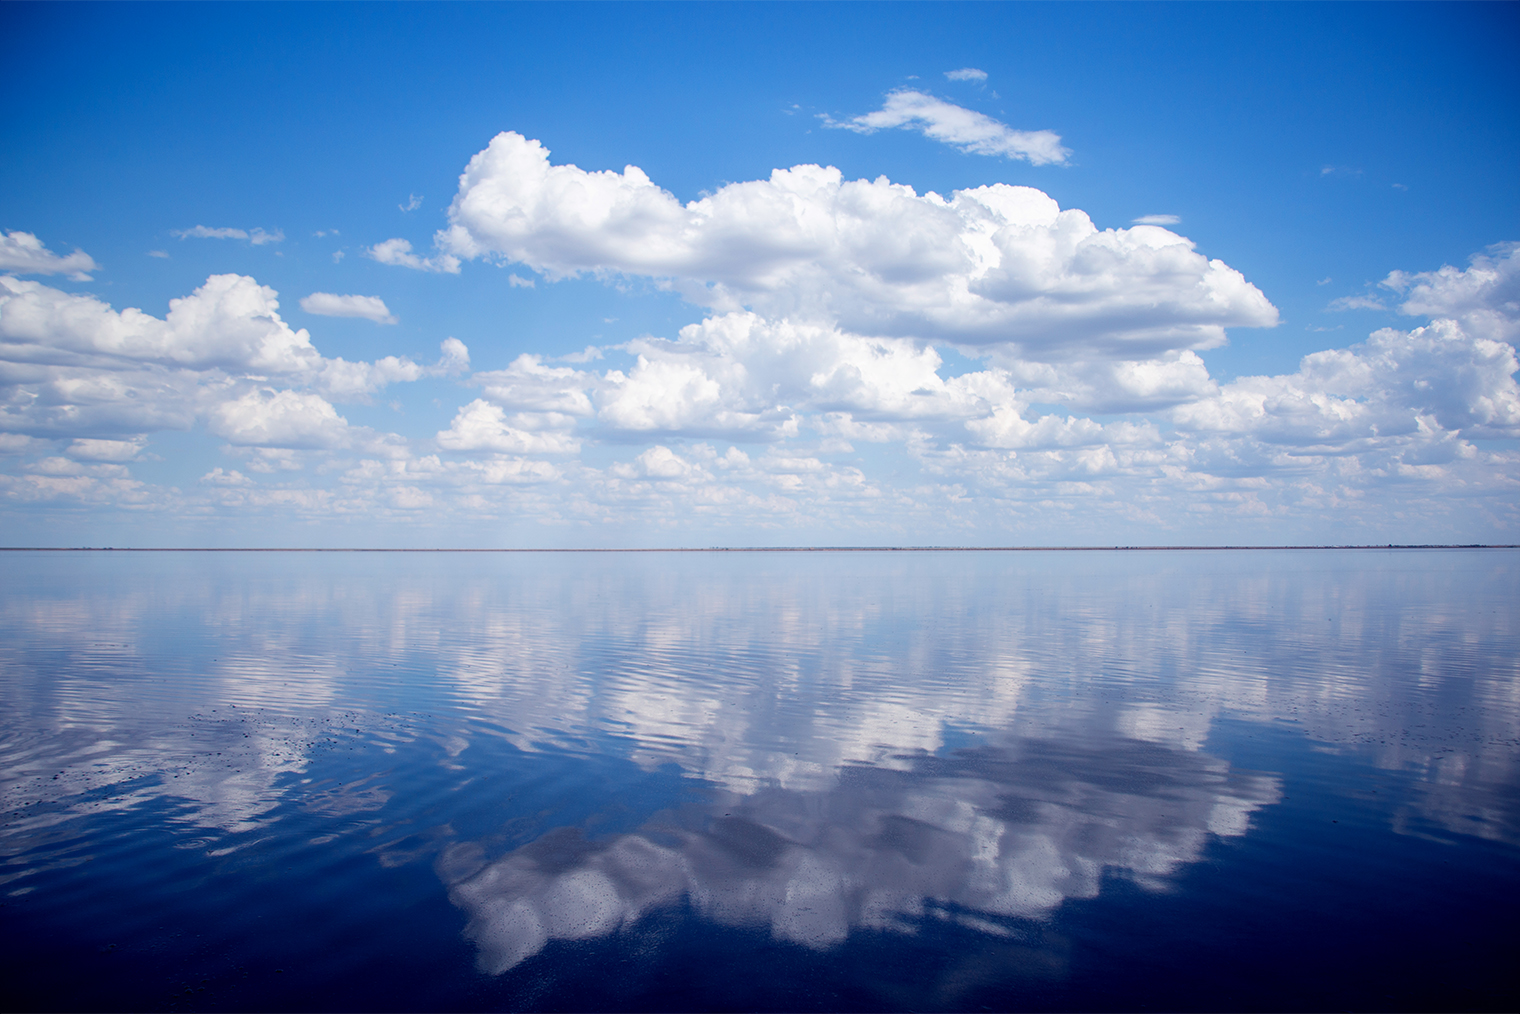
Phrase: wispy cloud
(258, 237)
(966, 74)
(1355, 303)
(972, 132)
(1158, 220)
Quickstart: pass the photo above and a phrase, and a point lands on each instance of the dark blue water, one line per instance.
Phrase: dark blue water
(819, 781)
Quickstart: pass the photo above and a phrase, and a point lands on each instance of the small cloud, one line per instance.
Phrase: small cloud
(337, 256)
(966, 74)
(398, 252)
(1354, 303)
(591, 352)
(1399, 186)
(519, 282)
(326, 304)
(1325, 281)
(217, 477)
(1339, 170)
(206, 232)
(1335, 328)
(965, 129)
(1157, 220)
(413, 202)
(320, 233)
(24, 254)
(258, 237)
(157, 253)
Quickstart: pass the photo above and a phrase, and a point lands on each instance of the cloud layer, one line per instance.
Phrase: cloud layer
(871, 364)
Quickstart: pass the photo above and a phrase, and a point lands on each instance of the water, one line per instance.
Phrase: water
(819, 781)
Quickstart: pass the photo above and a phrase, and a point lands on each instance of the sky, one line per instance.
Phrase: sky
(694, 275)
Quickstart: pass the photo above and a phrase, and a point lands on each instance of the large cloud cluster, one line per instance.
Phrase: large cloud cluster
(1021, 373)
(995, 266)
(74, 368)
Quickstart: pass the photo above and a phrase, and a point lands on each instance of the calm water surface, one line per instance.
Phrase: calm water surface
(1183, 780)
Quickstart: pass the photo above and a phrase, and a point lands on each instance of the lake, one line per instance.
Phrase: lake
(1189, 780)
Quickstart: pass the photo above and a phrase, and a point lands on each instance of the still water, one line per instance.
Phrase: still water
(800, 781)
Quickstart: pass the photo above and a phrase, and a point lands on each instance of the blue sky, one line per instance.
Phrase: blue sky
(861, 363)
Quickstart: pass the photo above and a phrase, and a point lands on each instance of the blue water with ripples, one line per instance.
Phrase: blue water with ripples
(1188, 780)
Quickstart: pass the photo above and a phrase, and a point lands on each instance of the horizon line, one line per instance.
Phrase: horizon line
(732, 549)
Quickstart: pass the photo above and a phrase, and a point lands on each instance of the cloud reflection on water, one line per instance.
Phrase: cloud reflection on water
(983, 835)
(883, 738)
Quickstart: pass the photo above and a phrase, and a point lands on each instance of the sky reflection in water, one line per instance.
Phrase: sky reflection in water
(809, 747)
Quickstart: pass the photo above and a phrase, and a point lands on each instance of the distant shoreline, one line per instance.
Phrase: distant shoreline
(733, 549)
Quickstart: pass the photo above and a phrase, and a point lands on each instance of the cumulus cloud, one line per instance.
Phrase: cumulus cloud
(966, 74)
(1485, 297)
(658, 463)
(72, 367)
(969, 131)
(24, 254)
(258, 237)
(231, 322)
(481, 426)
(997, 265)
(398, 252)
(326, 304)
(287, 419)
(1399, 390)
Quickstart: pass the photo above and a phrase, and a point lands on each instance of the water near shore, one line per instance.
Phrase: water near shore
(1185, 780)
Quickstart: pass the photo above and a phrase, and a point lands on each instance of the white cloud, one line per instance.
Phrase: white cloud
(106, 450)
(258, 237)
(529, 385)
(206, 232)
(971, 132)
(73, 367)
(1398, 390)
(1354, 303)
(658, 463)
(398, 252)
(218, 477)
(413, 202)
(517, 281)
(326, 304)
(481, 426)
(24, 254)
(1157, 220)
(833, 306)
(346, 381)
(966, 74)
(1485, 297)
(286, 419)
(997, 265)
(230, 322)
